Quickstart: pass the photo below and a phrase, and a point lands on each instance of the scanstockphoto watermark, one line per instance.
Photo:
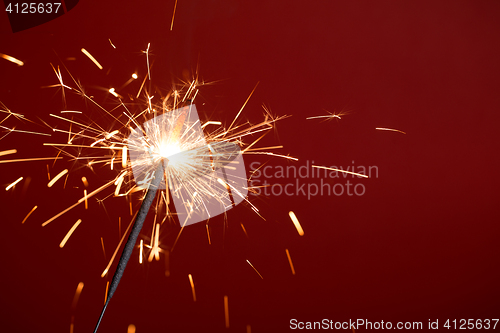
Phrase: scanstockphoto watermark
(310, 180)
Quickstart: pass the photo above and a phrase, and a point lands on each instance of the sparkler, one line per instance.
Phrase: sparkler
(166, 148)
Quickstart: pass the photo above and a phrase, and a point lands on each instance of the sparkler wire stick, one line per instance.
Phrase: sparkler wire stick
(134, 234)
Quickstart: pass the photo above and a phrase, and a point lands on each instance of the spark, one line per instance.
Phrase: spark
(192, 287)
(226, 311)
(296, 223)
(117, 248)
(21, 131)
(85, 196)
(290, 261)
(91, 58)
(78, 291)
(244, 230)
(208, 234)
(110, 42)
(255, 269)
(124, 156)
(389, 129)
(155, 251)
(112, 92)
(85, 182)
(70, 232)
(11, 59)
(147, 60)
(31, 159)
(131, 328)
(140, 251)
(243, 106)
(340, 170)
(106, 294)
(56, 178)
(103, 250)
(7, 152)
(73, 306)
(31, 211)
(134, 76)
(211, 123)
(77, 203)
(14, 183)
(173, 15)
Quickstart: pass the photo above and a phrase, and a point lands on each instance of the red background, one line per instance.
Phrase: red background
(421, 244)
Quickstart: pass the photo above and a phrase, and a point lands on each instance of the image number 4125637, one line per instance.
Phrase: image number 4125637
(33, 8)
(24, 15)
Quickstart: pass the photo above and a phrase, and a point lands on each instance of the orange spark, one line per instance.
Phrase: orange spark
(85, 182)
(14, 183)
(112, 92)
(255, 269)
(244, 230)
(11, 59)
(124, 156)
(208, 234)
(110, 42)
(140, 251)
(31, 211)
(106, 294)
(117, 248)
(243, 107)
(296, 223)
(192, 287)
(290, 261)
(134, 76)
(56, 178)
(103, 250)
(340, 170)
(226, 311)
(77, 295)
(31, 159)
(85, 196)
(389, 129)
(155, 251)
(211, 123)
(173, 15)
(70, 232)
(7, 152)
(91, 58)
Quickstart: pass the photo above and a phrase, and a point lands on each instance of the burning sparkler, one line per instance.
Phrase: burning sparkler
(164, 147)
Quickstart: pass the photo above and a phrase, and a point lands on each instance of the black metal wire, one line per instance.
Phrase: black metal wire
(134, 234)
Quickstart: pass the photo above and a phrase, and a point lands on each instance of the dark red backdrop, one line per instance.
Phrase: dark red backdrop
(421, 244)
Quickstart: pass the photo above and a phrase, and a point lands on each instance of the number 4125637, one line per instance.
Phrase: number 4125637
(32, 8)
(464, 324)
